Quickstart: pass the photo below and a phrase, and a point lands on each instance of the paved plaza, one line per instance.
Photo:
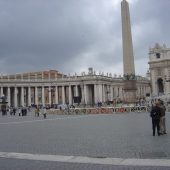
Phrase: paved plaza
(102, 141)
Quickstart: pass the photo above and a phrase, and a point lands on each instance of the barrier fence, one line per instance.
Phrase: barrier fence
(99, 110)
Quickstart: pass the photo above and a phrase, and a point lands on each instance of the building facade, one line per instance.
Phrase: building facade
(159, 67)
(52, 87)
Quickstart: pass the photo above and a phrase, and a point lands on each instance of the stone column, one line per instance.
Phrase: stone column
(70, 95)
(49, 94)
(120, 92)
(22, 96)
(2, 91)
(9, 96)
(96, 93)
(107, 92)
(29, 96)
(111, 93)
(43, 99)
(82, 92)
(76, 91)
(15, 97)
(36, 96)
(114, 95)
(142, 91)
(63, 95)
(114, 92)
(56, 94)
(100, 91)
(139, 92)
(104, 93)
(85, 94)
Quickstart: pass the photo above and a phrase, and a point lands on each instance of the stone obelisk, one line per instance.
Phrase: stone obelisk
(128, 58)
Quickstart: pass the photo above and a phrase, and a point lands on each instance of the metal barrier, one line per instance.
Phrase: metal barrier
(99, 110)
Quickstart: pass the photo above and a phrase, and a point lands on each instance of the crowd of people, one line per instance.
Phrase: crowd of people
(39, 110)
(157, 114)
(22, 111)
(158, 118)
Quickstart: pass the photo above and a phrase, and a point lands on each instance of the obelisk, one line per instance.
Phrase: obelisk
(128, 58)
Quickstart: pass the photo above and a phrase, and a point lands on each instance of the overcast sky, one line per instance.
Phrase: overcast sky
(72, 35)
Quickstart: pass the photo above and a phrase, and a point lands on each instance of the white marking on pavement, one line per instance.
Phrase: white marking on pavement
(87, 160)
(41, 120)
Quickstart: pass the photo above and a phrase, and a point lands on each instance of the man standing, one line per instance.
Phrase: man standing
(155, 115)
(162, 118)
(44, 112)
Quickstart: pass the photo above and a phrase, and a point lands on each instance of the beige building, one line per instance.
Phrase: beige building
(159, 67)
(52, 87)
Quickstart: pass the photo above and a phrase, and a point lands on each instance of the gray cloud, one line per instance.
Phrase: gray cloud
(71, 36)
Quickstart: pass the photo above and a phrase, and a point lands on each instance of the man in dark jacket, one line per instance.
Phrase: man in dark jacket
(155, 115)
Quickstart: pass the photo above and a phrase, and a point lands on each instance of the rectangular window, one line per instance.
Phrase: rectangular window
(158, 55)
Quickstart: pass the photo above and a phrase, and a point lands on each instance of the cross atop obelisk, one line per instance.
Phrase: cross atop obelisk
(128, 58)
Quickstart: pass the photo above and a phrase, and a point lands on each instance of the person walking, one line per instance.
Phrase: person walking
(24, 111)
(36, 111)
(162, 118)
(44, 111)
(155, 115)
(14, 111)
(10, 111)
(19, 111)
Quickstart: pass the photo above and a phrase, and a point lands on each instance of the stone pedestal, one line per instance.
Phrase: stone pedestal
(129, 93)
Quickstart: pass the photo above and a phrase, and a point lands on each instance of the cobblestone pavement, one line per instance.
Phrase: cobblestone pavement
(127, 135)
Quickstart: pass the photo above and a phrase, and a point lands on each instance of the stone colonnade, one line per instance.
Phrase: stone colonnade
(89, 94)
(87, 89)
